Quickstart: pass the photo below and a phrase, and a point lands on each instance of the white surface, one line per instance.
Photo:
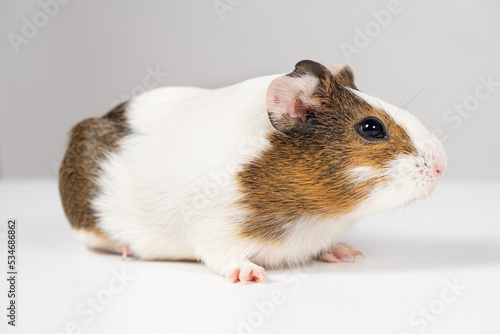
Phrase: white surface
(410, 255)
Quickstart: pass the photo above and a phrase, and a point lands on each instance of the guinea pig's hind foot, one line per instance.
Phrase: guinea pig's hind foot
(246, 272)
(336, 253)
(125, 252)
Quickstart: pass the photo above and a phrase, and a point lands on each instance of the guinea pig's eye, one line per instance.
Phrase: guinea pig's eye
(371, 129)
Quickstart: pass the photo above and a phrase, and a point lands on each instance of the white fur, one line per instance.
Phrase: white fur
(362, 173)
(95, 242)
(168, 192)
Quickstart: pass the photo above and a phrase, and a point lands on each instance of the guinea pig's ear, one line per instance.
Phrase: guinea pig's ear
(344, 75)
(291, 99)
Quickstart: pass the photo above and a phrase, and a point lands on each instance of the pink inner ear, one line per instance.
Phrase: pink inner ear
(290, 96)
(296, 109)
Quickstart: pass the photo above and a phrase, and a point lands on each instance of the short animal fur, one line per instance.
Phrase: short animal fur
(265, 173)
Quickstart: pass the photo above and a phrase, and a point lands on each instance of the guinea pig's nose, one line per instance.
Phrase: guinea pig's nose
(439, 168)
(440, 162)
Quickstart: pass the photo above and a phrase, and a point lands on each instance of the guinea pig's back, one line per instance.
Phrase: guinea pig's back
(175, 171)
(144, 174)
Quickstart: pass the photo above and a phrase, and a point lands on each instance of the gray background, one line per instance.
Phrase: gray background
(90, 54)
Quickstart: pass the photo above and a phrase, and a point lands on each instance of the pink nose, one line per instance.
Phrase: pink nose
(439, 169)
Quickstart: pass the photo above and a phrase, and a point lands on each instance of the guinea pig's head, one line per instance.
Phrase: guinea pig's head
(343, 151)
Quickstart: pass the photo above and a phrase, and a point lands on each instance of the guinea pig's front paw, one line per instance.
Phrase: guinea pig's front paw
(336, 253)
(246, 272)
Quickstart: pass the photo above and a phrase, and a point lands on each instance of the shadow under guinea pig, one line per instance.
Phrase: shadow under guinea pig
(393, 255)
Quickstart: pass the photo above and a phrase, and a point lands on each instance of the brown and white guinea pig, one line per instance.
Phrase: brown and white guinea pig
(265, 173)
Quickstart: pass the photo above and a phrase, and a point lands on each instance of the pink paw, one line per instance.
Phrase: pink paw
(336, 253)
(246, 272)
(126, 252)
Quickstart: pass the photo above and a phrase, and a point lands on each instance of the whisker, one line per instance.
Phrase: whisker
(382, 107)
(404, 97)
(405, 105)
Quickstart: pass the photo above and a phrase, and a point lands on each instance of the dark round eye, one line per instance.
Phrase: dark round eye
(372, 129)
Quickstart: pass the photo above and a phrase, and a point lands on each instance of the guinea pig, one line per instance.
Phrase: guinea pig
(266, 173)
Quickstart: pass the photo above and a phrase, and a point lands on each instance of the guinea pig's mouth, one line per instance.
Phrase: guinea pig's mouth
(427, 191)
(431, 176)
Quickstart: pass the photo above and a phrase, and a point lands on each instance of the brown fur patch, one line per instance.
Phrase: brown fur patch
(90, 143)
(304, 171)
(344, 76)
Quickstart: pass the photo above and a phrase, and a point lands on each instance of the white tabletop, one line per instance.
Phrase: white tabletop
(433, 267)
